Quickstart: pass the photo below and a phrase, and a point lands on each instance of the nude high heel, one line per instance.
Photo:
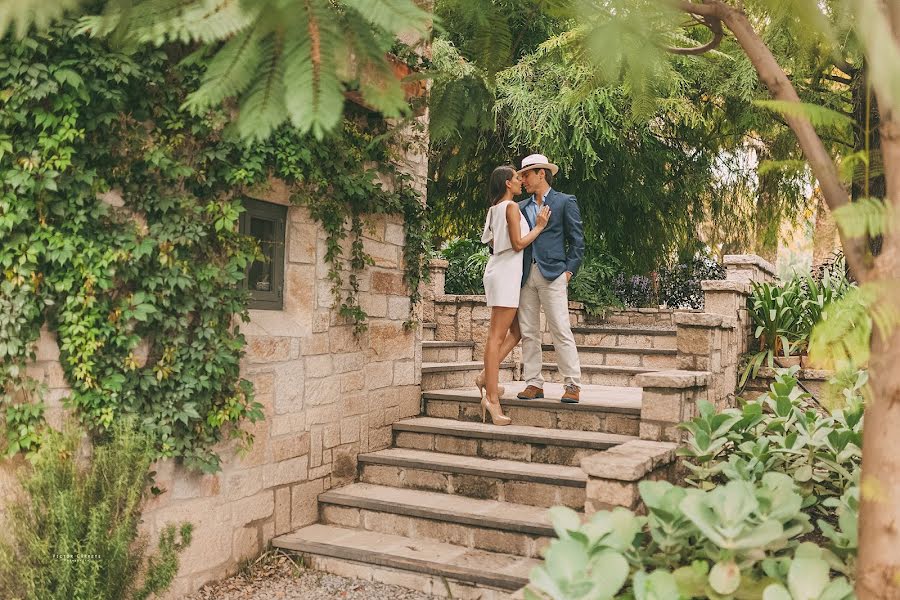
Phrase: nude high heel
(479, 383)
(497, 416)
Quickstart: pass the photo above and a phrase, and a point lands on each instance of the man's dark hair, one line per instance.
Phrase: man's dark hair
(548, 176)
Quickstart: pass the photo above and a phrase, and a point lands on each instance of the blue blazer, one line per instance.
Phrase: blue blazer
(560, 247)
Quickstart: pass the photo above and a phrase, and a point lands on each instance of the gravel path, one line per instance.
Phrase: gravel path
(277, 576)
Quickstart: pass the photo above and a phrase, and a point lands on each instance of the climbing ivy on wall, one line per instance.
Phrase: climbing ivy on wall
(144, 298)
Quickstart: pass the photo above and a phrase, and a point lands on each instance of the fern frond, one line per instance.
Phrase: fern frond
(842, 338)
(379, 86)
(819, 116)
(314, 93)
(866, 216)
(185, 21)
(230, 71)
(263, 109)
(27, 13)
(393, 16)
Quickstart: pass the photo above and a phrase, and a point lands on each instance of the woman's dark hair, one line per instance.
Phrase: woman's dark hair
(497, 186)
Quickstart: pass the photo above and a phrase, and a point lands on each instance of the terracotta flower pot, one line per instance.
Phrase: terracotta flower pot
(787, 361)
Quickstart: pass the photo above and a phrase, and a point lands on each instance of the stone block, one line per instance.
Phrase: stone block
(331, 435)
(613, 493)
(672, 378)
(425, 480)
(381, 475)
(258, 506)
(267, 349)
(390, 283)
(580, 421)
(387, 523)
(454, 445)
(243, 483)
(415, 441)
(443, 531)
(391, 341)
(405, 373)
(530, 493)
(660, 404)
(246, 544)
(291, 446)
(302, 243)
(379, 374)
(384, 255)
(282, 510)
(395, 234)
(288, 424)
(344, 516)
(350, 429)
(352, 382)
(506, 450)
(288, 471)
(398, 308)
(375, 305)
(195, 485)
(305, 503)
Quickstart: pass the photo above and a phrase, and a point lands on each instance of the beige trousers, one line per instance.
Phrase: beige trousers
(553, 296)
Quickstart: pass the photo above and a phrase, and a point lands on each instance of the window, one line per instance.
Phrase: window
(264, 222)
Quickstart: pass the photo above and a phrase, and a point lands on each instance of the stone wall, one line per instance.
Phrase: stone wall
(464, 318)
(327, 397)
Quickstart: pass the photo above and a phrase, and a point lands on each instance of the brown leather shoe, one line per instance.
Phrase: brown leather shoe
(572, 394)
(532, 392)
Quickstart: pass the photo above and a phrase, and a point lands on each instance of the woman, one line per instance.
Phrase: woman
(507, 230)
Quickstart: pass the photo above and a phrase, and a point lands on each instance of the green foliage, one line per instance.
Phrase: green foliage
(593, 286)
(161, 274)
(74, 532)
(781, 432)
(468, 258)
(283, 61)
(745, 532)
(786, 314)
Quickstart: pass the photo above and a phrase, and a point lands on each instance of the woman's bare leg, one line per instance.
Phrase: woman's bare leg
(501, 321)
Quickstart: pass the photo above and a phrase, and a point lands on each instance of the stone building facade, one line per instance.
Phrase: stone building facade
(327, 396)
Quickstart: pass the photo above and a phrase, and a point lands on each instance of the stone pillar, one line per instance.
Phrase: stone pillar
(748, 267)
(729, 299)
(669, 397)
(614, 474)
(437, 271)
(711, 343)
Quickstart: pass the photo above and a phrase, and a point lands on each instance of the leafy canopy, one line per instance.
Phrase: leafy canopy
(281, 60)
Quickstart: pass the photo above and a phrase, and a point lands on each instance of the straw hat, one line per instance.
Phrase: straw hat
(537, 161)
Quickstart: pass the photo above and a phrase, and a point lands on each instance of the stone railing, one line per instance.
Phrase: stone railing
(613, 475)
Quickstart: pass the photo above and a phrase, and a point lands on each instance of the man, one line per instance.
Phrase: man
(549, 263)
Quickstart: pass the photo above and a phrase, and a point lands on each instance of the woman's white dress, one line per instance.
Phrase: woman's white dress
(503, 274)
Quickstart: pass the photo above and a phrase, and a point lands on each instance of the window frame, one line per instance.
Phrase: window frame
(277, 213)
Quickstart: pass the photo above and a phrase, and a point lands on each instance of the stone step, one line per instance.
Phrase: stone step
(534, 484)
(514, 442)
(428, 330)
(480, 524)
(606, 336)
(602, 408)
(436, 376)
(447, 352)
(492, 570)
(600, 374)
(620, 356)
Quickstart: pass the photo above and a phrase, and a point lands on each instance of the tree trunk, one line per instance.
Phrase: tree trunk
(878, 565)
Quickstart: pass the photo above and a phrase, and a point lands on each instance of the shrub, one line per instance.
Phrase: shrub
(744, 527)
(593, 285)
(74, 530)
(785, 314)
(467, 257)
(679, 285)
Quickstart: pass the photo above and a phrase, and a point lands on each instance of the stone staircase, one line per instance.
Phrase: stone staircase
(456, 507)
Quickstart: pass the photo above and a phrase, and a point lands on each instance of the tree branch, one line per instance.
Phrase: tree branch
(775, 79)
(715, 25)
